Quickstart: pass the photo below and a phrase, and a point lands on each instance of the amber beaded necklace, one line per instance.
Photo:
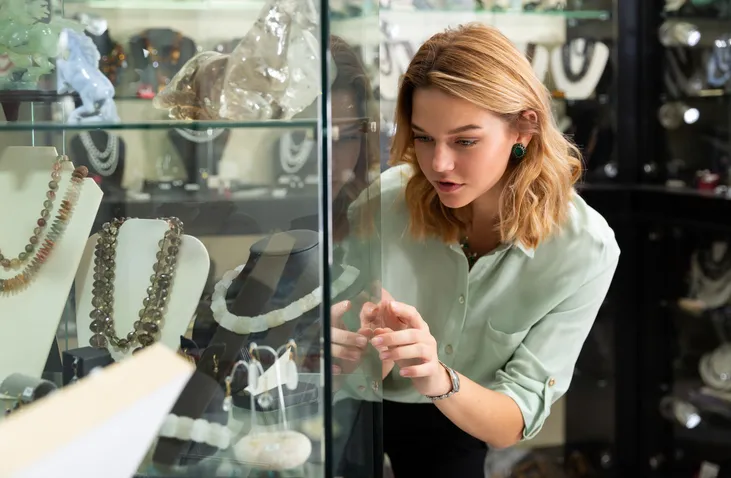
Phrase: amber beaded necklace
(41, 223)
(158, 62)
(33, 264)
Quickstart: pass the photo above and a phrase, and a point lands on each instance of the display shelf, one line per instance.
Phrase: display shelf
(158, 125)
(212, 214)
(254, 6)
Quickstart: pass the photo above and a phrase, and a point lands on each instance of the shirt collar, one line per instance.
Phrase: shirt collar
(528, 251)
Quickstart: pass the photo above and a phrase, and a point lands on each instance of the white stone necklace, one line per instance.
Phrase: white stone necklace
(200, 136)
(243, 325)
(104, 162)
(292, 156)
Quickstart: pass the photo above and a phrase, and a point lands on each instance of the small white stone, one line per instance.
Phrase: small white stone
(281, 450)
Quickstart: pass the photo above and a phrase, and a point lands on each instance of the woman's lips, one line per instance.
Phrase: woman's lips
(448, 187)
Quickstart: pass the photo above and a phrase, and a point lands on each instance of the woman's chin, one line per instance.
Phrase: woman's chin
(452, 201)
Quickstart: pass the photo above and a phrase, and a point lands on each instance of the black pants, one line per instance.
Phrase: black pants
(422, 443)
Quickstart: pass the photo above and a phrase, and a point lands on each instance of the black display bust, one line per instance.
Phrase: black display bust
(109, 182)
(280, 269)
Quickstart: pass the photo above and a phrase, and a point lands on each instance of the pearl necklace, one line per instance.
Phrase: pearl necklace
(104, 162)
(196, 136)
(243, 325)
(153, 305)
(292, 156)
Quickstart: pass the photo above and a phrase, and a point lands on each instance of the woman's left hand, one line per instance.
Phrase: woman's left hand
(414, 350)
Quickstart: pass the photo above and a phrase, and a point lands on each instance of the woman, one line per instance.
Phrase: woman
(493, 268)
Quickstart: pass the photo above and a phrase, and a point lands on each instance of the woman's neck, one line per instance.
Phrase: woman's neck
(485, 210)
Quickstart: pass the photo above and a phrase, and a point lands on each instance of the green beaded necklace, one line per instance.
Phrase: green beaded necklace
(471, 256)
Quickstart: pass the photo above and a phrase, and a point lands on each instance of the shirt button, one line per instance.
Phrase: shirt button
(361, 388)
(375, 386)
(461, 299)
(551, 382)
(448, 349)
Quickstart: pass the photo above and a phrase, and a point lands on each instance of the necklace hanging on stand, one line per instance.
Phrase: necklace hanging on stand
(293, 156)
(200, 137)
(36, 251)
(146, 329)
(104, 162)
(573, 49)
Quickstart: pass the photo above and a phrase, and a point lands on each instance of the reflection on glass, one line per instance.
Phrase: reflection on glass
(673, 115)
(678, 33)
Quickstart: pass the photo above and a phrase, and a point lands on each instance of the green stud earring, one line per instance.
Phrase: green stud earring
(518, 150)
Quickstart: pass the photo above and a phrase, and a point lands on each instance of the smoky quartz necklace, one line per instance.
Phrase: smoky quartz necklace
(147, 328)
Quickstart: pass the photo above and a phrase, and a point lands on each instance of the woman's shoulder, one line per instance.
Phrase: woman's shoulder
(585, 240)
(387, 192)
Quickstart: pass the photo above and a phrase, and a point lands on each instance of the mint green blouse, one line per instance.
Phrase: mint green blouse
(514, 323)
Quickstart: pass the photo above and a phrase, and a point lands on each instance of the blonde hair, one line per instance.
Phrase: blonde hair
(479, 64)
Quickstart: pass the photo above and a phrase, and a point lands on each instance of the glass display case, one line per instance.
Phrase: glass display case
(180, 172)
(682, 206)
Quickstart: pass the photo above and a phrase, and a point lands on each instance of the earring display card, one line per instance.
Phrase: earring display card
(85, 359)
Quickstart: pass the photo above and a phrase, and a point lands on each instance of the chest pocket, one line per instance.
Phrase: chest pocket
(499, 346)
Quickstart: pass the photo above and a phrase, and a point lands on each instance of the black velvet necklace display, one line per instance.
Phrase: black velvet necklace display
(271, 279)
(113, 59)
(80, 156)
(157, 54)
(200, 157)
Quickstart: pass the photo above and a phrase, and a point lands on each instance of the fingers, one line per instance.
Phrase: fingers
(338, 310)
(406, 314)
(402, 337)
(369, 316)
(421, 352)
(348, 338)
(345, 353)
(421, 370)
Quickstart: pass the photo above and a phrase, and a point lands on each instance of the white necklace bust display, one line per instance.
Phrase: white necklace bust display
(577, 67)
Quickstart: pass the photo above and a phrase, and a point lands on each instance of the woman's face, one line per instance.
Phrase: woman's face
(346, 147)
(462, 149)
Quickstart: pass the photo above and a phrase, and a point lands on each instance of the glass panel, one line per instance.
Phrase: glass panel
(691, 299)
(356, 382)
(222, 144)
(572, 49)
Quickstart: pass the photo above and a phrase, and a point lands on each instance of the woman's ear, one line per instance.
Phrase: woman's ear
(528, 116)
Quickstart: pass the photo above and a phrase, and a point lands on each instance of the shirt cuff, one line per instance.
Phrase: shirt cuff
(535, 406)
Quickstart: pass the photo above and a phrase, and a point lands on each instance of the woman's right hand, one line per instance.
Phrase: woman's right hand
(347, 347)
(378, 315)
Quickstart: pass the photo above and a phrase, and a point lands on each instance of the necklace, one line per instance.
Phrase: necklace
(471, 256)
(197, 136)
(55, 232)
(104, 162)
(158, 62)
(243, 325)
(146, 329)
(586, 54)
(719, 65)
(41, 222)
(292, 156)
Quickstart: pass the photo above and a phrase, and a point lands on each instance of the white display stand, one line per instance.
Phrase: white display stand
(585, 87)
(137, 245)
(100, 426)
(32, 315)
(540, 61)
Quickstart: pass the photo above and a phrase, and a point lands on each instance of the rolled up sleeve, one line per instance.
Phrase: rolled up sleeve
(541, 368)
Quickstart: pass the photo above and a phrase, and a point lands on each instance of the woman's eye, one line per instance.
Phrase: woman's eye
(467, 143)
(422, 139)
